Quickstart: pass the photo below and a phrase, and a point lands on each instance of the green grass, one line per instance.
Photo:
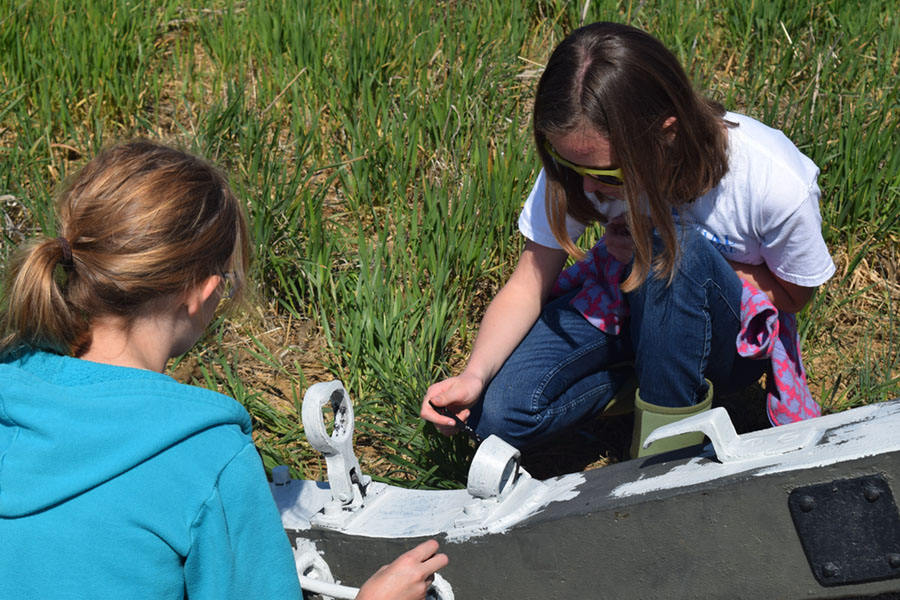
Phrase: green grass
(384, 151)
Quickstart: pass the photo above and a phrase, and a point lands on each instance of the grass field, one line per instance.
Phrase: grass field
(384, 149)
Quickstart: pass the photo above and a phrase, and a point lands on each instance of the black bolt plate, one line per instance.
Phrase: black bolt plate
(849, 529)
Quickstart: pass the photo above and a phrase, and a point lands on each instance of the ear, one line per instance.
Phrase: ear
(195, 297)
(670, 128)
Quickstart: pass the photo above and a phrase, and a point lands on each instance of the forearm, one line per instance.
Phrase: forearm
(786, 297)
(506, 322)
(514, 310)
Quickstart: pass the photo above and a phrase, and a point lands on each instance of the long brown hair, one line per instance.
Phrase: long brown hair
(626, 85)
(138, 222)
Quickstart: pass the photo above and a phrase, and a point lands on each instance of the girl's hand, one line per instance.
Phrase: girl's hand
(408, 577)
(457, 394)
(618, 240)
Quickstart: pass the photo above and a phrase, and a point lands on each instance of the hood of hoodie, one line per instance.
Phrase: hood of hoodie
(68, 425)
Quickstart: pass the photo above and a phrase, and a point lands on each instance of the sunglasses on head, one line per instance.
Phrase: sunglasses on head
(605, 176)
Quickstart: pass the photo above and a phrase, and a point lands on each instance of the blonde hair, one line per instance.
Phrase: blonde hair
(139, 222)
(626, 84)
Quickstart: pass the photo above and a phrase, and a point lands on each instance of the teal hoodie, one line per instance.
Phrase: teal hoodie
(123, 483)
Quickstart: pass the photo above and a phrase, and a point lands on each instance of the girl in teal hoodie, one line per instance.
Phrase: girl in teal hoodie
(115, 480)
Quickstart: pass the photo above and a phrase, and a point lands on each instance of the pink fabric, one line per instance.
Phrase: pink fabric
(765, 333)
(600, 300)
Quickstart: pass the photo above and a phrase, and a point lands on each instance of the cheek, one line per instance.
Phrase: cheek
(592, 186)
(613, 191)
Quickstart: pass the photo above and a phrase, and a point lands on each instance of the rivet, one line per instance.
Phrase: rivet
(871, 492)
(894, 560)
(830, 570)
(807, 503)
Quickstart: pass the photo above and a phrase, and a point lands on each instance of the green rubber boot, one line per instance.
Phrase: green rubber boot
(623, 402)
(648, 417)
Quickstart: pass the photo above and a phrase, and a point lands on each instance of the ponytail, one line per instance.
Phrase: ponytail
(35, 311)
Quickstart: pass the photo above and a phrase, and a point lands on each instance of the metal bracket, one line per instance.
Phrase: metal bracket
(348, 484)
(849, 530)
(728, 445)
(499, 493)
(494, 469)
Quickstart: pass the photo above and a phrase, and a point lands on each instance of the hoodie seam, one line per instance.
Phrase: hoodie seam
(12, 442)
(214, 491)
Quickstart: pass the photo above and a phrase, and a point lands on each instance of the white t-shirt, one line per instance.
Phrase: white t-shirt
(764, 210)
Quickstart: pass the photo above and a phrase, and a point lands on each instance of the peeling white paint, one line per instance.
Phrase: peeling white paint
(840, 437)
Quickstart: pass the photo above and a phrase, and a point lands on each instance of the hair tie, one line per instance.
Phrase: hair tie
(66, 250)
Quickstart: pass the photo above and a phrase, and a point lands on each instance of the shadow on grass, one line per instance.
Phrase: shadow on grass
(607, 440)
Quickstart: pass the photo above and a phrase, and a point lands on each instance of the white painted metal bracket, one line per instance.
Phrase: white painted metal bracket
(728, 445)
(348, 484)
(499, 494)
(494, 469)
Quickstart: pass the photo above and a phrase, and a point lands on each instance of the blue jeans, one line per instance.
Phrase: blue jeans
(678, 335)
(686, 332)
(557, 376)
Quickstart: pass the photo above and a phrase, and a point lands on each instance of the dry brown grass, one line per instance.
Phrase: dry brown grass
(860, 330)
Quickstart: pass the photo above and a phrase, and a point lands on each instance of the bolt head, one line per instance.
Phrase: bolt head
(830, 570)
(871, 492)
(894, 561)
(807, 503)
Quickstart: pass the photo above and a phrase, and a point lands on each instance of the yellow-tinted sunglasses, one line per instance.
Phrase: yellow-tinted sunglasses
(605, 176)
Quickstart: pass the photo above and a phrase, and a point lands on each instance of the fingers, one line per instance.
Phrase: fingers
(444, 424)
(447, 424)
(423, 551)
(456, 394)
(436, 563)
(433, 398)
(426, 554)
(620, 254)
(432, 566)
(408, 577)
(618, 241)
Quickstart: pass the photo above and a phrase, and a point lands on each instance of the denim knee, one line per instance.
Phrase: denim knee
(555, 376)
(684, 330)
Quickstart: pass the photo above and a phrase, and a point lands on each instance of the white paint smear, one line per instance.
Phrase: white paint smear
(393, 512)
(841, 437)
